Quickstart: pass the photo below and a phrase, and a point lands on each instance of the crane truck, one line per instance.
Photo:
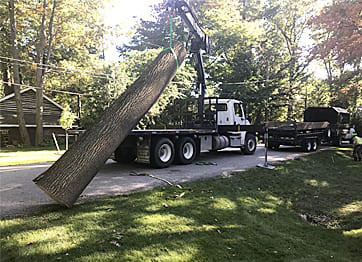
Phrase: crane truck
(200, 124)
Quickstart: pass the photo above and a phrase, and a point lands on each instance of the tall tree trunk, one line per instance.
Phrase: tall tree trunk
(6, 79)
(66, 179)
(40, 49)
(24, 135)
(42, 61)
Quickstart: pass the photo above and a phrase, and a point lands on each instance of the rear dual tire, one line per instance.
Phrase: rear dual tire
(164, 152)
(310, 145)
(186, 151)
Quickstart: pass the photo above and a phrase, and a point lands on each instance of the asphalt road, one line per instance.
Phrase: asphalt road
(19, 195)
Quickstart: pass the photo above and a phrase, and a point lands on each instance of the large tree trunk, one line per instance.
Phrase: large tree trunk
(24, 135)
(66, 179)
(40, 79)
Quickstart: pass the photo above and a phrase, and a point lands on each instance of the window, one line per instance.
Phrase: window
(238, 111)
(216, 107)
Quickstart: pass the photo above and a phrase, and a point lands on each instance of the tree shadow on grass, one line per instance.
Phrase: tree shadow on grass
(251, 216)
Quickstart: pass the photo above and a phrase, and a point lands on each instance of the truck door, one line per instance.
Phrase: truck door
(239, 116)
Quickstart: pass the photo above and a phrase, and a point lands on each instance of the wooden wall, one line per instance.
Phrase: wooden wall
(51, 113)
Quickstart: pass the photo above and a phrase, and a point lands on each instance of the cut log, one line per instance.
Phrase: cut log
(66, 179)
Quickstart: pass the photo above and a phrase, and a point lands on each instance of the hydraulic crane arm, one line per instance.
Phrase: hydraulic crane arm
(199, 43)
(200, 38)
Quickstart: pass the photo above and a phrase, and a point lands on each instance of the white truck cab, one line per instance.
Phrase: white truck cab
(230, 112)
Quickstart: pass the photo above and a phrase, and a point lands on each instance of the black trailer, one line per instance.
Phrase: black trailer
(338, 119)
(308, 135)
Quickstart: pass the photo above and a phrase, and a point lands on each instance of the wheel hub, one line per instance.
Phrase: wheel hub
(188, 150)
(165, 153)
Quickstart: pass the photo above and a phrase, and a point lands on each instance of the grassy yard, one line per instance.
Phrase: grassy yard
(20, 156)
(305, 210)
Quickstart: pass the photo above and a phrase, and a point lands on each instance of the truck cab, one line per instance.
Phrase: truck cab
(230, 112)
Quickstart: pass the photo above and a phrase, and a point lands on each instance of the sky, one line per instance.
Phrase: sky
(124, 13)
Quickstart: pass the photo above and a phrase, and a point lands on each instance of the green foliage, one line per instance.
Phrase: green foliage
(67, 118)
(257, 57)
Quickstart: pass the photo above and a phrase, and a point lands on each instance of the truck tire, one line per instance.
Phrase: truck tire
(307, 146)
(125, 154)
(162, 153)
(315, 145)
(186, 150)
(250, 145)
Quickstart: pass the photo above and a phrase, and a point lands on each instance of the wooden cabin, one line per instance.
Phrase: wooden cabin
(9, 128)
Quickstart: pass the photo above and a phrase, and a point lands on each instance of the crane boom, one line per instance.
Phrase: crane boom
(200, 43)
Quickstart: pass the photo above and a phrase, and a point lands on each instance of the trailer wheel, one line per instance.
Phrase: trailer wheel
(125, 154)
(250, 145)
(307, 146)
(186, 150)
(162, 153)
(314, 145)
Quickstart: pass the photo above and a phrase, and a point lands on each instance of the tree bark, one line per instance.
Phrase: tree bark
(66, 179)
(24, 135)
(39, 79)
(6, 79)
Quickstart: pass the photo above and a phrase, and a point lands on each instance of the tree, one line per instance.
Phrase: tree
(42, 60)
(290, 20)
(338, 32)
(16, 85)
(67, 178)
(338, 46)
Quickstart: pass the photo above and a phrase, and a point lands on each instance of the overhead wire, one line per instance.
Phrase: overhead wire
(52, 90)
(45, 66)
(52, 71)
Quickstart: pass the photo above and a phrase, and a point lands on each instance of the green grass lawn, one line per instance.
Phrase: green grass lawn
(305, 210)
(20, 156)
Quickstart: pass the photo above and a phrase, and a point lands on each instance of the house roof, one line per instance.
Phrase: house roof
(27, 90)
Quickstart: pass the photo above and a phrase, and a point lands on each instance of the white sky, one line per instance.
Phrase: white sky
(124, 13)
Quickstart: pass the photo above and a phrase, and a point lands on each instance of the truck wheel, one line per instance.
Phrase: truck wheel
(314, 145)
(186, 151)
(250, 145)
(125, 154)
(162, 153)
(307, 146)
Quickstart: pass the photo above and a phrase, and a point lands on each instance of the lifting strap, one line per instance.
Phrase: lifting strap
(171, 48)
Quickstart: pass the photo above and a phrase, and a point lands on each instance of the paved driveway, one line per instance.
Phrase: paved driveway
(19, 195)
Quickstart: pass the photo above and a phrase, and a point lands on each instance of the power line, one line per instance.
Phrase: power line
(44, 66)
(53, 70)
(52, 90)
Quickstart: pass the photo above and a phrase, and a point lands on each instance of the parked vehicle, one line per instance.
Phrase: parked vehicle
(338, 119)
(321, 125)
(308, 135)
(222, 125)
